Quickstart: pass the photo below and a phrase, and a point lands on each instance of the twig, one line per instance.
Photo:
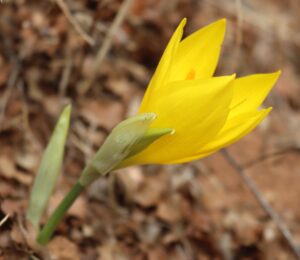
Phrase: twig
(74, 22)
(105, 47)
(10, 84)
(239, 34)
(271, 155)
(262, 22)
(4, 220)
(65, 78)
(239, 14)
(25, 109)
(263, 203)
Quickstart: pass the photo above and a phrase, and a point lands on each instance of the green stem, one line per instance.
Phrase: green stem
(47, 231)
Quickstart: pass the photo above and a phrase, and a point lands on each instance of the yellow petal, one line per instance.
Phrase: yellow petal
(232, 131)
(236, 128)
(250, 92)
(162, 72)
(197, 112)
(200, 51)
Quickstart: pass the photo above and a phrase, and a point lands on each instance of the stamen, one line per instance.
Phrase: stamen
(191, 75)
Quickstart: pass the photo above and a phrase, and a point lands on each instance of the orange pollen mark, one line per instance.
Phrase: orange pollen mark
(191, 75)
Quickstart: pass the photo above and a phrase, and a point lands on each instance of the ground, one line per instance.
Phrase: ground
(200, 210)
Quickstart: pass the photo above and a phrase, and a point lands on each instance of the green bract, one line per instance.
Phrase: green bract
(127, 138)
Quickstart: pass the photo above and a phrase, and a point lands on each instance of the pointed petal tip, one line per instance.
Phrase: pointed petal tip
(183, 21)
(277, 73)
(226, 80)
(268, 110)
(222, 21)
(274, 74)
(219, 24)
(218, 29)
(264, 112)
(271, 77)
(230, 77)
(265, 78)
(179, 30)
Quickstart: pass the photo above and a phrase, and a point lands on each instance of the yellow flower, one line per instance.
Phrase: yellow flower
(207, 113)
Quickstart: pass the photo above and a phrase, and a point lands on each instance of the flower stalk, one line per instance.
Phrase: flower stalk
(48, 230)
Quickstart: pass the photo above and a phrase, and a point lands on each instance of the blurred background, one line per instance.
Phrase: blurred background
(99, 56)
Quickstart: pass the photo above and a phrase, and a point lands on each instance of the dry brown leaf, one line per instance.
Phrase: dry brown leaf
(170, 210)
(8, 170)
(101, 113)
(150, 193)
(112, 251)
(63, 249)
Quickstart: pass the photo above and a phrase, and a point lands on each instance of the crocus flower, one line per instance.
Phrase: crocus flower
(186, 113)
(207, 113)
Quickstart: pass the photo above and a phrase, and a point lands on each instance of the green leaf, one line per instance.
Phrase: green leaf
(49, 169)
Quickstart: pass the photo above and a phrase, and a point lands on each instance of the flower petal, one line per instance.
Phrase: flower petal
(197, 112)
(162, 74)
(250, 92)
(236, 128)
(232, 131)
(200, 51)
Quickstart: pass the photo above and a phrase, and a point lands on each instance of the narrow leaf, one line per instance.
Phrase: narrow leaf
(49, 169)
